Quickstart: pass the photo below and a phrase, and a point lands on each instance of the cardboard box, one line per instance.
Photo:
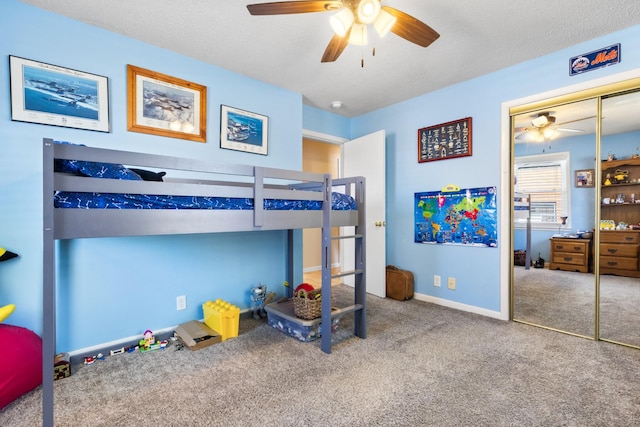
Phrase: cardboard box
(196, 335)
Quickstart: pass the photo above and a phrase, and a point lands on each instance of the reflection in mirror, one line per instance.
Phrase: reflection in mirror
(554, 217)
(619, 247)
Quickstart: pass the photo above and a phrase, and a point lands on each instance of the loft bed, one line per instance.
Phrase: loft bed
(267, 198)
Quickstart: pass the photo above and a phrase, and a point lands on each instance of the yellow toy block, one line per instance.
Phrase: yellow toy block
(222, 317)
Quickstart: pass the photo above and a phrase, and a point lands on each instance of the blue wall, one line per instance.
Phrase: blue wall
(110, 288)
(115, 288)
(477, 270)
(324, 122)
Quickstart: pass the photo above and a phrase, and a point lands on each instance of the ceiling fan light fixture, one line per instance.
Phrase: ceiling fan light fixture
(383, 23)
(358, 35)
(549, 133)
(368, 11)
(342, 21)
(541, 120)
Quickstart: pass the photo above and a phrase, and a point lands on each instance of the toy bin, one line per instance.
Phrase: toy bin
(222, 317)
(281, 315)
(519, 257)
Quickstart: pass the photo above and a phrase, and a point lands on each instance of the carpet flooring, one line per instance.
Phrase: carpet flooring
(566, 300)
(420, 365)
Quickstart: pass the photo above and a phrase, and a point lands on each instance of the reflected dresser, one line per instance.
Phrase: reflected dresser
(570, 254)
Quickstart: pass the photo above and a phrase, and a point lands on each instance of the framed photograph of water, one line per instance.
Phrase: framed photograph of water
(166, 106)
(53, 95)
(243, 130)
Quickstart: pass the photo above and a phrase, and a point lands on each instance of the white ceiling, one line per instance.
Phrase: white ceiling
(476, 37)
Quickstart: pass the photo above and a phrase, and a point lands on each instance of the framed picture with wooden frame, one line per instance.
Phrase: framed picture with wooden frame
(585, 178)
(162, 105)
(445, 141)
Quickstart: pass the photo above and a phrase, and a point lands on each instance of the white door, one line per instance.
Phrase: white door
(365, 156)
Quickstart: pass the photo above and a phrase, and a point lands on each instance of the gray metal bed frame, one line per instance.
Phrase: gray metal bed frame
(249, 181)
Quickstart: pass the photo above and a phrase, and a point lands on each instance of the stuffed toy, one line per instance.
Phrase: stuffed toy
(7, 309)
(6, 255)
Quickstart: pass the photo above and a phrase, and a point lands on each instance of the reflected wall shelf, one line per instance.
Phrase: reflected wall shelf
(619, 249)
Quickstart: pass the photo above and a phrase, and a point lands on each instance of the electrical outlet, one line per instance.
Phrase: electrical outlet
(181, 302)
(451, 282)
(436, 280)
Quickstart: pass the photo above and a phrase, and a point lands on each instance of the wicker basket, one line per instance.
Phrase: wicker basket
(307, 305)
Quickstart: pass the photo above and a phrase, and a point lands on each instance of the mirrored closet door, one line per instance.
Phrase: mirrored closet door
(554, 218)
(620, 219)
(576, 213)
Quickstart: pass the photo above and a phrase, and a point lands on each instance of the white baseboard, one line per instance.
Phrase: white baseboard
(459, 306)
(106, 347)
(112, 345)
(95, 349)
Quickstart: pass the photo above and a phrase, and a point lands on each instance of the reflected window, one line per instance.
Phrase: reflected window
(545, 179)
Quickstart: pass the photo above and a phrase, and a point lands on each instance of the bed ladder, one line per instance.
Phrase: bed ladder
(359, 306)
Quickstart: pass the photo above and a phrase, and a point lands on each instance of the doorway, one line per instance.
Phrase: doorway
(365, 157)
(319, 157)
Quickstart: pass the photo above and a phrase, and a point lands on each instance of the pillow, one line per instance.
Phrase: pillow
(93, 169)
(148, 175)
(20, 362)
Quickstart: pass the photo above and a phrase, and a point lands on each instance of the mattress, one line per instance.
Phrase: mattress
(75, 200)
(86, 200)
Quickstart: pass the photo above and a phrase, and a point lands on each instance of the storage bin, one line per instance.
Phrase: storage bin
(222, 317)
(281, 315)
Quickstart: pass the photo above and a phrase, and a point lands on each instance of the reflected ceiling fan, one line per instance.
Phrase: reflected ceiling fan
(544, 128)
(351, 20)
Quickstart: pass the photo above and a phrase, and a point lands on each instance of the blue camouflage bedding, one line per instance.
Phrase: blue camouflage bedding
(339, 201)
(145, 201)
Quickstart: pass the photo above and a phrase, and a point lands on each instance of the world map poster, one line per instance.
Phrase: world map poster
(466, 217)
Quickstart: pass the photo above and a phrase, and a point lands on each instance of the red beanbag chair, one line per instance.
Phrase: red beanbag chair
(20, 362)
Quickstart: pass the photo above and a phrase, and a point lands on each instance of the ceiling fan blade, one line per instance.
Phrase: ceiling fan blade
(576, 120)
(335, 47)
(411, 29)
(525, 129)
(570, 130)
(288, 7)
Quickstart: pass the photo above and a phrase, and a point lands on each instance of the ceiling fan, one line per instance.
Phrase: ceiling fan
(351, 20)
(544, 128)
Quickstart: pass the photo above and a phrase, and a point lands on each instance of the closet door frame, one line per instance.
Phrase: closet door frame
(597, 89)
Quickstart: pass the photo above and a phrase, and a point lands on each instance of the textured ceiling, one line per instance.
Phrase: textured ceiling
(477, 37)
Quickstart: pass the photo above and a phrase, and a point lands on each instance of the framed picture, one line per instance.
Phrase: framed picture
(585, 177)
(445, 141)
(166, 106)
(52, 95)
(243, 130)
